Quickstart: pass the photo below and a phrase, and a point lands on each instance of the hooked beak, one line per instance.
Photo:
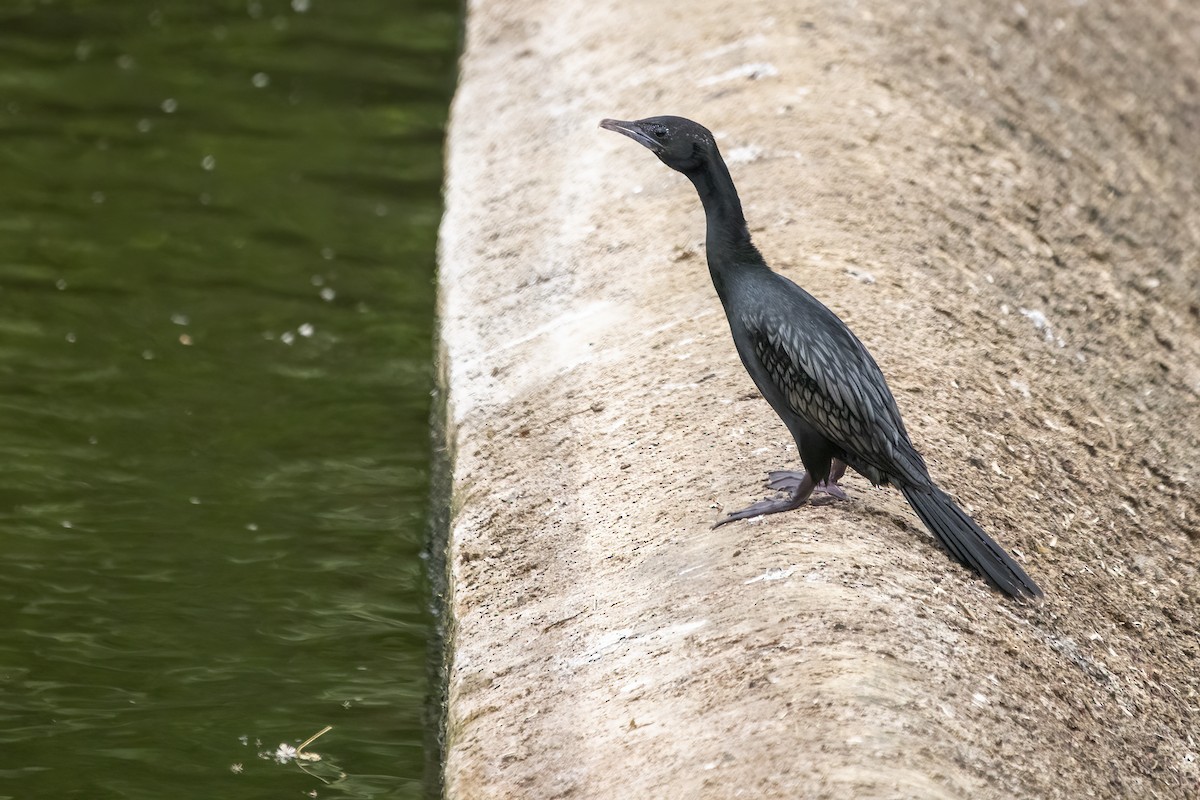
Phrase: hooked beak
(633, 131)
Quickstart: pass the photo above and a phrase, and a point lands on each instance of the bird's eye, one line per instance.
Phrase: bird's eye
(659, 132)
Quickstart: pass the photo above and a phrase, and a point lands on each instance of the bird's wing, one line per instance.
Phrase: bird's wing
(827, 377)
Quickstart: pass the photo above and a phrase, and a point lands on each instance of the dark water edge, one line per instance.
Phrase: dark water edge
(438, 655)
(217, 239)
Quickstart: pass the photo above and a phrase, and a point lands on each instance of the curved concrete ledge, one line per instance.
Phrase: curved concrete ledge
(1001, 200)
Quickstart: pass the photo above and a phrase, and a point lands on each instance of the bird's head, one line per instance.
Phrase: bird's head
(679, 143)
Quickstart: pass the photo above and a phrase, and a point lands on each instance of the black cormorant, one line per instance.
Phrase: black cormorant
(811, 368)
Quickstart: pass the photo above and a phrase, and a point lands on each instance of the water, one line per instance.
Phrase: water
(217, 224)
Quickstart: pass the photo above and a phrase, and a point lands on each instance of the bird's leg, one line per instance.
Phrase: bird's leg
(787, 480)
(799, 496)
(830, 485)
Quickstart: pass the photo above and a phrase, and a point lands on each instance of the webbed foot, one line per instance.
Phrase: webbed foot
(787, 480)
(801, 489)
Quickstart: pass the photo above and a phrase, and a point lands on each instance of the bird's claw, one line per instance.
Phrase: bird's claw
(761, 508)
(789, 481)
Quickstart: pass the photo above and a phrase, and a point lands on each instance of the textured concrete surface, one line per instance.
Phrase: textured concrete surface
(1001, 200)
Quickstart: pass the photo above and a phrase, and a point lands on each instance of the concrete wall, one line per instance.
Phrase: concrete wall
(1001, 200)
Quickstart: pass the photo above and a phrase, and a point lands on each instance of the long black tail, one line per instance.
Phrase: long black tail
(967, 542)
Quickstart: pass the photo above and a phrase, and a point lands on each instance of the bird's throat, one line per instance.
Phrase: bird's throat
(727, 240)
(722, 206)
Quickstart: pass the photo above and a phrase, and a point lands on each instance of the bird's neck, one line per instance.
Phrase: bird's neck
(727, 242)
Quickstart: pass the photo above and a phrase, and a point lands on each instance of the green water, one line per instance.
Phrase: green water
(217, 224)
